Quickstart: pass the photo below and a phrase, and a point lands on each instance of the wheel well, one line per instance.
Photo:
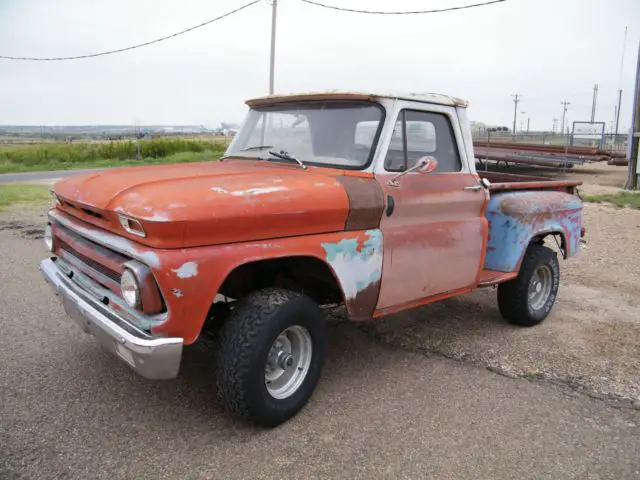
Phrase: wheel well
(562, 244)
(307, 275)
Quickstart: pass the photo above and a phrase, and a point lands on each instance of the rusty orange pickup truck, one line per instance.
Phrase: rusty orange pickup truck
(368, 200)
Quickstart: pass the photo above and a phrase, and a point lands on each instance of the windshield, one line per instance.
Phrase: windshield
(336, 134)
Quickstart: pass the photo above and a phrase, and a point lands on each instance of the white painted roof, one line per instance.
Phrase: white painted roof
(358, 95)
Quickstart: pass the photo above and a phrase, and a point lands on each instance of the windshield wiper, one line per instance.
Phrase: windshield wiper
(256, 147)
(287, 156)
(247, 149)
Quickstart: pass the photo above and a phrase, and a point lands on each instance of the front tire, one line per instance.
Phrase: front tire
(527, 299)
(269, 355)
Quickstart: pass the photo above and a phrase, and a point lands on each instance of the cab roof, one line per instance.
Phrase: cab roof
(357, 95)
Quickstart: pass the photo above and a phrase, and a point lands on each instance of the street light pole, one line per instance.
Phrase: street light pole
(274, 12)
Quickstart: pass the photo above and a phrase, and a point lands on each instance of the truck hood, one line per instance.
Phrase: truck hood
(211, 203)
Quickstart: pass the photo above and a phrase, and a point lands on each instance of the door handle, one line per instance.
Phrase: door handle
(473, 187)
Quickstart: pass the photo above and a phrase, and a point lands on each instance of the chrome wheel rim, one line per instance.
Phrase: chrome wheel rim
(288, 362)
(540, 287)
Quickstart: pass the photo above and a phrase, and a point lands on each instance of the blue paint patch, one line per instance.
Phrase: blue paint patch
(347, 246)
(356, 264)
(373, 243)
(517, 217)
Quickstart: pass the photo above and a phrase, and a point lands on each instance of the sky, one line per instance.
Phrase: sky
(545, 50)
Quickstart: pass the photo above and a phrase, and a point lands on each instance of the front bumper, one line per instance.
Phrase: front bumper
(151, 357)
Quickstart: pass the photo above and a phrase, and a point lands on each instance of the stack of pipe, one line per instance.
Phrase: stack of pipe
(544, 155)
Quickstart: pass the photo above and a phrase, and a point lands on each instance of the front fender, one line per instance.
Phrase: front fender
(516, 218)
(191, 278)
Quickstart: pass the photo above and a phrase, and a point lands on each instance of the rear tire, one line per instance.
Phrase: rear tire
(527, 299)
(269, 355)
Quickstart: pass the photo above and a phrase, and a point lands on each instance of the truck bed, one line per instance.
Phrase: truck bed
(501, 182)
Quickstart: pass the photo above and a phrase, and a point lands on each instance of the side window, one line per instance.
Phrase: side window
(417, 134)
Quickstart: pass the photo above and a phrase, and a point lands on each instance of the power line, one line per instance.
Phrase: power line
(353, 10)
(157, 40)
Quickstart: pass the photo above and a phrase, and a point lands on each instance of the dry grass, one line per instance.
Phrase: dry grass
(619, 199)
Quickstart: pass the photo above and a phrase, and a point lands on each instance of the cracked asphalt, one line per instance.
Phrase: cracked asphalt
(381, 410)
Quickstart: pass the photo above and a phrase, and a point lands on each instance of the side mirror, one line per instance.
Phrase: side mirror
(422, 165)
(427, 164)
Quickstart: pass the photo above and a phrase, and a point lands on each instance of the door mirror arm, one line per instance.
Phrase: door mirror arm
(423, 165)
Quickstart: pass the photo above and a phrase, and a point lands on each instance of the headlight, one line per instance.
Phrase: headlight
(130, 289)
(48, 238)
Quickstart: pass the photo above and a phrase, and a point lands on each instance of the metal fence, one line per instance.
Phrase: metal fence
(610, 142)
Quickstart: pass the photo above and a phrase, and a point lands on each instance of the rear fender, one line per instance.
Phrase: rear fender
(517, 218)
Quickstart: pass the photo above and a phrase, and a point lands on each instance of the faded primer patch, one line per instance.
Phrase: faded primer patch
(158, 217)
(249, 191)
(171, 206)
(155, 217)
(187, 270)
(357, 264)
(257, 191)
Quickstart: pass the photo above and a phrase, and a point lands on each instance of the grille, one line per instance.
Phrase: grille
(74, 209)
(91, 263)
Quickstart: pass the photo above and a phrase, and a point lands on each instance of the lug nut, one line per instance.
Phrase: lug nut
(285, 360)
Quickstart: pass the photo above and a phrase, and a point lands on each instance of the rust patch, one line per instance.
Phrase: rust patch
(366, 202)
(362, 306)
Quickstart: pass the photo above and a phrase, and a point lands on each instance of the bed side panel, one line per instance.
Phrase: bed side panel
(515, 218)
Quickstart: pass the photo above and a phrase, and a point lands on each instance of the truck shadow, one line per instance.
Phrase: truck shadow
(190, 401)
(464, 316)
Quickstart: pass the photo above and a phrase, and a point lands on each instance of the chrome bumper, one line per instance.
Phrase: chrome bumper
(151, 357)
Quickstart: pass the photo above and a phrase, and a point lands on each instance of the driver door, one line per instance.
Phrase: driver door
(434, 226)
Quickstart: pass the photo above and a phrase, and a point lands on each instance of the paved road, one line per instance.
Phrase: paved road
(71, 410)
(27, 177)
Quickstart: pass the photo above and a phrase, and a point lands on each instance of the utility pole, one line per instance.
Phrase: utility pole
(274, 12)
(593, 104)
(516, 99)
(555, 125)
(564, 114)
(619, 106)
(634, 151)
(528, 122)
